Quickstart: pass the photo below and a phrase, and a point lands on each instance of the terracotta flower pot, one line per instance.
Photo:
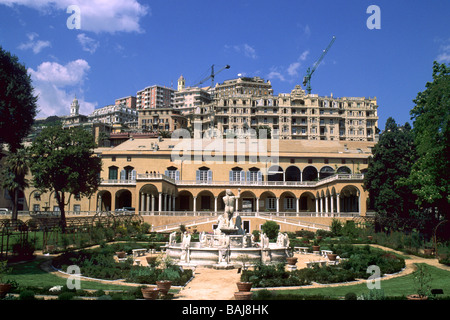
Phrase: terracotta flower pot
(332, 256)
(416, 297)
(428, 252)
(164, 286)
(151, 260)
(244, 286)
(291, 260)
(4, 289)
(370, 238)
(121, 254)
(243, 295)
(150, 293)
(316, 248)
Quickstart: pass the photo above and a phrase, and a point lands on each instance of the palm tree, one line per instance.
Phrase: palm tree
(13, 176)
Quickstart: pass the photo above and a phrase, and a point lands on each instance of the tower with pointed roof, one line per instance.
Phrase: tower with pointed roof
(74, 107)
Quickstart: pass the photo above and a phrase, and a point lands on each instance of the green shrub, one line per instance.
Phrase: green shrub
(27, 295)
(271, 229)
(66, 296)
(336, 227)
(351, 296)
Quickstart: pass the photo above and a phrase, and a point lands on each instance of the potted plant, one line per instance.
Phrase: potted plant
(4, 286)
(244, 285)
(121, 254)
(332, 256)
(168, 273)
(292, 261)
(422, 280)
(150, 293)
(315, 246)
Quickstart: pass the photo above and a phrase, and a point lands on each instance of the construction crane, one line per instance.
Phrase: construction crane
(211, 76)
(309, 72)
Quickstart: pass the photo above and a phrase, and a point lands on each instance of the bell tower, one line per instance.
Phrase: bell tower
(181, 83)
(74, 107)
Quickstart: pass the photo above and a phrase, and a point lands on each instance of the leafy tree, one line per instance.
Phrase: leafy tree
(17, 102)
(430, 174)
(271, 229)
(63, 161)
(13, 175)
(392, 159)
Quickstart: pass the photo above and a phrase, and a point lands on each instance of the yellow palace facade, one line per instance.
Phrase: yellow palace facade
(173, 181)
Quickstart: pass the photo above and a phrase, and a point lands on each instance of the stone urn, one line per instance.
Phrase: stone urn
(4, 289)
(164, 286)
(332, 256)
(121, 254)
(150, 293)
(151, 260)
(244, 286)
(416, 297)
(243, 295)
(292, 261)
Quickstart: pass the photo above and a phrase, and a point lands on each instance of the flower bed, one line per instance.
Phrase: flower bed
(100, 264)
(358, 260)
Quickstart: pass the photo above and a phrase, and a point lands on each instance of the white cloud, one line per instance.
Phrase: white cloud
(290, 73)
(292, 70)
(34, 44)
(245, 48)
(88, 44)
(444, 55)
(96, 15)
(304, 55)
(56, 86)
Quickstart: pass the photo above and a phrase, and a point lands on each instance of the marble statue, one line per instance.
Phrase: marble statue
(230, 201)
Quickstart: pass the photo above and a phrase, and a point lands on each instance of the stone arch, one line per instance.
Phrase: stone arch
(288, 201)
(205, 201)
(124, 198)
(307, 202)
(344, 170)
(247, 202)
(275, 173)
(349, 199)
(148, 198)
(325, 172)
(293, 173)
(309, 173)
(104, 200)
(184, 201)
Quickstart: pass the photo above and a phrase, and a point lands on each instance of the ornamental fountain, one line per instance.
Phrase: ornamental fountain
(228, 246)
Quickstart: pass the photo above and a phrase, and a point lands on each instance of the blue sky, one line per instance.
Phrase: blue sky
(126, 45)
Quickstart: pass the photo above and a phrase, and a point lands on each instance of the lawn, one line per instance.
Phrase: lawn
(396, 287)
(30, 274)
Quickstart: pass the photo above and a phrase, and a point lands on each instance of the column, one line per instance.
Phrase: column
(332, 205)
(278, 205)
(160, 201)
(326, 205)
(99, 204)
(321, 205)
(257, 204)
(195, 205)
(153, 203)
(148, 202)
(165, 202)
(173, 203)
(297, 205)
(215, 205)
(169, 202)
(142, 198)
(317, 206)
(338, 205)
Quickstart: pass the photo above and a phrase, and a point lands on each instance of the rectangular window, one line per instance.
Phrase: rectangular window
(112, 173)
(289, 203)
(36, 207)
(76, 208)
(271, 203)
